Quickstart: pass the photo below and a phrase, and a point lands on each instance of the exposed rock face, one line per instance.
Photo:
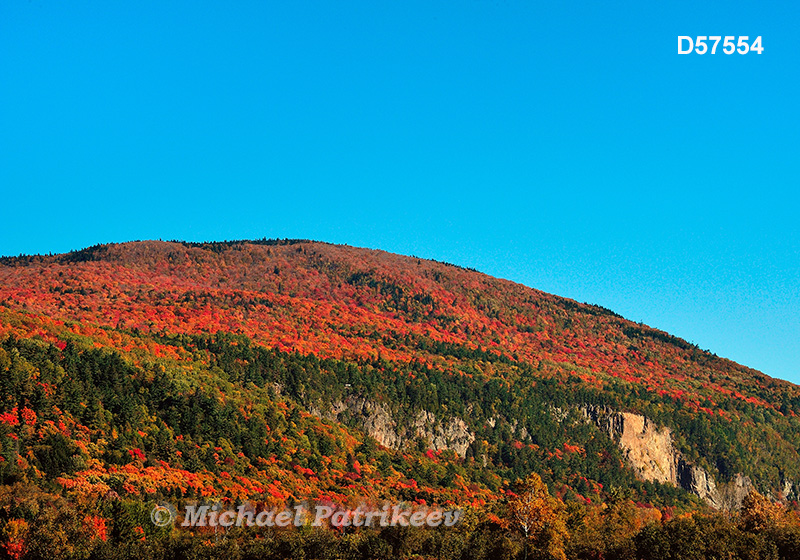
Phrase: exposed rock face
(733, 494)
(653, 457)
(648, 448)
(697, 481)
(377, 421)
(452, 434)
(520, 431)
(786, 488)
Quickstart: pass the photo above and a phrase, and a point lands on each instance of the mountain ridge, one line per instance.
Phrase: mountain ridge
(91, 254)
(468, 336)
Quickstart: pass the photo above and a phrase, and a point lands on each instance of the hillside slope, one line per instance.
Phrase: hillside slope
(220, 368)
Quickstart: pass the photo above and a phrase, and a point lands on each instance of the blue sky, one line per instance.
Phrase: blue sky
(566, 146)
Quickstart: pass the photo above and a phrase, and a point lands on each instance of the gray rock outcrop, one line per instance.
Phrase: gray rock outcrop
(378, 422)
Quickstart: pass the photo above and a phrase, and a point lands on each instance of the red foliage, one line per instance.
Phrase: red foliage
(137, 454)
(316, 304)
(304, 471)
(28, 416)
(10, 418)
(16, 534)
(95, 527)
(336, 302)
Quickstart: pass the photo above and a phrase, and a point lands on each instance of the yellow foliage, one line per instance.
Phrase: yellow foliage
(540, 517)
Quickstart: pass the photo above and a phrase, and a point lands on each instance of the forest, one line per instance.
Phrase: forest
(280, 372)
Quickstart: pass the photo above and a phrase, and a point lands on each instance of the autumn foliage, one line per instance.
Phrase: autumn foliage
(232, 372)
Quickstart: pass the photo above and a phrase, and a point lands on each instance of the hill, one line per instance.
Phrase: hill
(287, 370)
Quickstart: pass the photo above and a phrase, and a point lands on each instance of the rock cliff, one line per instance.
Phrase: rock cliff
(651, 453)
(378, 422)
(648, 448)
